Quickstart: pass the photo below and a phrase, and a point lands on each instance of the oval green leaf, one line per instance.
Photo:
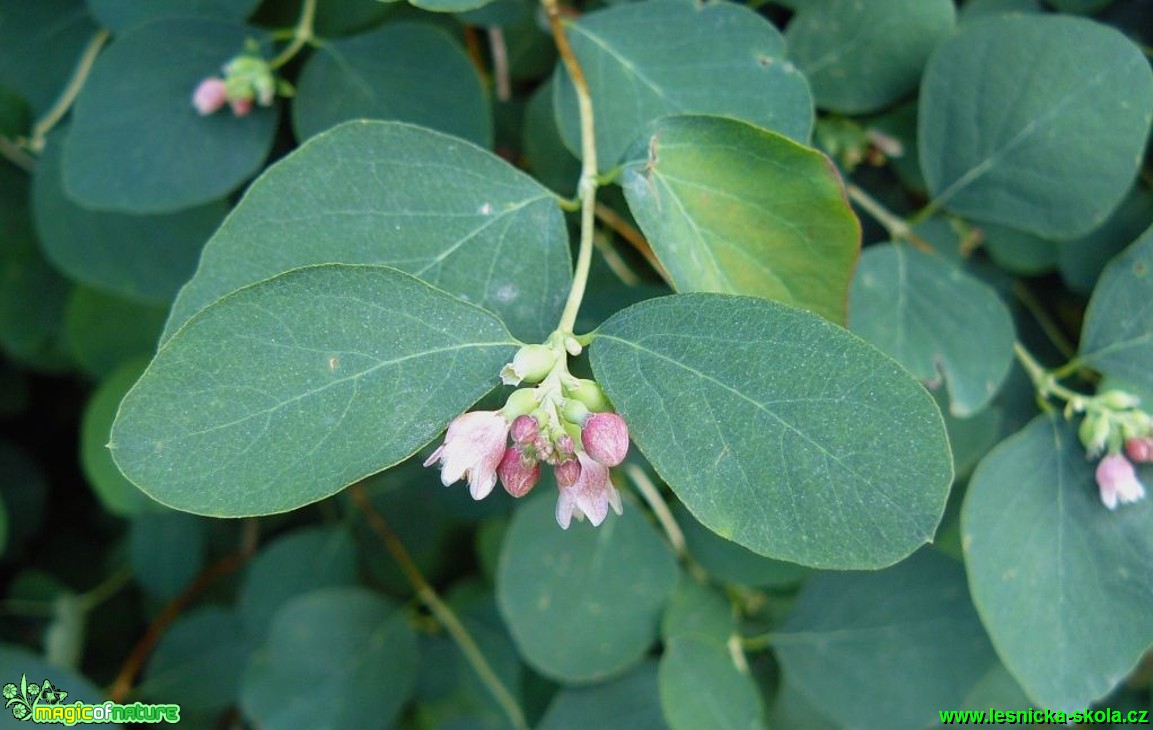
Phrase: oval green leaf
(410, 72)
(138, 97)
(699, 610)
(147, 258)
(728, 562)
(583, 604)
(167, 551)
(288, 390)
(119, 15)
(199, 661)
(888, 649)
(777, 429)
(104, 331)
(118, 495)
(647, 60)
(632, 701)
(862, 56)
(936, 320)
(1034, 121)
(1117, 338)
(299, 562)
(40, 43)
(1058, 579)
(389, 193)
(701, 687)
(734, 209)
(303, 677)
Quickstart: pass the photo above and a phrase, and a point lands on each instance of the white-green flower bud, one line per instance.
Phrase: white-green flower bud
(1118, 400)
(589, 393)
(531, 364)
(521, 403)
(574, 411)
(1094, 433)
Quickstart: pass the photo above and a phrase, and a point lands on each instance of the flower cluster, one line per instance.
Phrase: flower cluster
(564, 422)
(248, 79)
(1114, 424)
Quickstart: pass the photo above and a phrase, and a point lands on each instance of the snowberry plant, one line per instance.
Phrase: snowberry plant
(809, 343)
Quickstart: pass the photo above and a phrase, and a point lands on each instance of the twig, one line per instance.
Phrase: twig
(122, 685)
(615, 221)
(63, 102)
(428, 595)
(500, 70)
(587, 187)
(15, 154)
(1048, 326)
(664, 515)
(302, 34)
(897, 228)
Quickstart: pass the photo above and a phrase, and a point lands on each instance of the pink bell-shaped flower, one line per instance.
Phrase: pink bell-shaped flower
(589, 496)
(473, 446)
(1118, 481)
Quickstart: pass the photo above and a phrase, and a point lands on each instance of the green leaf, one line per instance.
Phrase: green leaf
(303, 675)
(389, 193)
(33, 296)
(411, 72)
(650, 59)
(979, 9)
(104, 331)
(1018, 252)
(1035, 122)
(167, 551)
(860, 57)
(296, 563)
(40, 43)
(138, 97)
(146, 258)
(699, 610)
(583, 604)
(1117, 337)
(731, 563)
(886, 649)
(1081, 261)
(118, 495)
(17, 662)
(447, 6)
(778, 430)
(701, 687)
(286, 391)
(198, 662)
(734, 209)
(1054, 574)
(936, 320)
(632, 701)
(119, 15)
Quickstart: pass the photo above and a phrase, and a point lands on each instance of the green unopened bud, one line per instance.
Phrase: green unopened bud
(575, 412)
(531, 364)
(1094, 433)
(521, 403)
(589, 393)
(1118, 400)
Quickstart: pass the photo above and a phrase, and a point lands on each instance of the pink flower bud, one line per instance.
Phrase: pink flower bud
(473, 446)
(524, 429)
(241, 107)
(1118, 481)
(1140, 449)
(606, 438)
(518, 473)
(567, 473)
(210, 95)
